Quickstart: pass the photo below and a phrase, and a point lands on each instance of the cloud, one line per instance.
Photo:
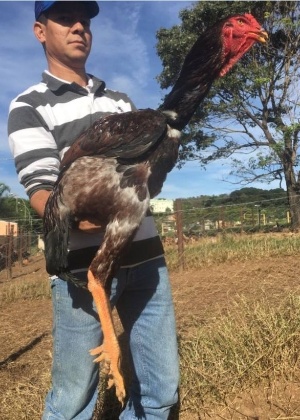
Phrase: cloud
(124, 52)
(120, 54)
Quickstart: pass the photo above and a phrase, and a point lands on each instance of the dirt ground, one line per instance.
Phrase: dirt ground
(25, 335)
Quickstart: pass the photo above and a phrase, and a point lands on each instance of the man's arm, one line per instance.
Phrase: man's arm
(38, 202)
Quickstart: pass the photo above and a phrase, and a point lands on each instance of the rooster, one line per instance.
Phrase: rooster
(113, 169)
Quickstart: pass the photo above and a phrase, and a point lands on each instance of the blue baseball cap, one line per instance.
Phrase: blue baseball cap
(42, 6)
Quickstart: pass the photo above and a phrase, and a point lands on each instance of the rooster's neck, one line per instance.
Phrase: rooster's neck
(200, 68)
(181, 103)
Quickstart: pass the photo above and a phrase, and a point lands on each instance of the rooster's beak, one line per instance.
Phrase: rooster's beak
(261, 36)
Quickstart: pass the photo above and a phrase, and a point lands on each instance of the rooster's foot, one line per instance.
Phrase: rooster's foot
(110, 365)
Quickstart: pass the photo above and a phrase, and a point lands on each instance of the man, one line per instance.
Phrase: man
(43, 122)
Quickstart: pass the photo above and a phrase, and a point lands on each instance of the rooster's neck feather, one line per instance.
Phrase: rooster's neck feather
(200, 68)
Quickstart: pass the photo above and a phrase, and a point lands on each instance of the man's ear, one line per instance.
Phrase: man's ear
(39, 31)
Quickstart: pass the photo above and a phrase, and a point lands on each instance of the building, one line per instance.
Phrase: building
(162, 205)
(6, 228)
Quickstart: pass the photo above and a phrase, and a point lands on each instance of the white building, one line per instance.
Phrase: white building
(161, 205)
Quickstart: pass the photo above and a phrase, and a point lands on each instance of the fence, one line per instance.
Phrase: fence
(14, 249)
(190, 235)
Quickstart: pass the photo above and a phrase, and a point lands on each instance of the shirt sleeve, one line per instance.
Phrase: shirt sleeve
(33, 148)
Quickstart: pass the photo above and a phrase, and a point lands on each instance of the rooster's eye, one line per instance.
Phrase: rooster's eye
(240, 21)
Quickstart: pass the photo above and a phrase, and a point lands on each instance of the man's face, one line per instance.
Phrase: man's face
(66, 34)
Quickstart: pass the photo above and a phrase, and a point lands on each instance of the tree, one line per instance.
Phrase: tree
(13, 208)
(3, 189)
(254, 110)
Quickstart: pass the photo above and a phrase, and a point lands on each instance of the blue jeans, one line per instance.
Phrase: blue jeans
(143, 299)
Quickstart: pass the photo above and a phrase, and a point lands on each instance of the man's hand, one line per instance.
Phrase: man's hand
(38, 203)
(89, 227)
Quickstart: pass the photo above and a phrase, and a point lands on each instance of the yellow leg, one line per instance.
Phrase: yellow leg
(109, 352)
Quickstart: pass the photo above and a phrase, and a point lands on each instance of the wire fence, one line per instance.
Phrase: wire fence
(15, 249)
(194, 237)
(191, 236)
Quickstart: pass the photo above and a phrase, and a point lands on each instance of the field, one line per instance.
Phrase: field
(217, 305)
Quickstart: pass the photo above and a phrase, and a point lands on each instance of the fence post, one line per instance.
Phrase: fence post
(28, 249)
(242, 219)
(179, 228)
(223, 218)
(19, 246)
(10, 250)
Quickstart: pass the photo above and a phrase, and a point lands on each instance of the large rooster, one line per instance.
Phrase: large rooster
(113, 169)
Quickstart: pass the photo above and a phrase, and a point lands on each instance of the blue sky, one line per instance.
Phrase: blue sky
(124, 55)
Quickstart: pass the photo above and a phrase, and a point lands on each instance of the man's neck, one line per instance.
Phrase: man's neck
(77, 75)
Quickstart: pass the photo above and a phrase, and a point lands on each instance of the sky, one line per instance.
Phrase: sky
(124, 56)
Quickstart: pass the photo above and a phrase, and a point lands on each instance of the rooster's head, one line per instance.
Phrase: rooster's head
(239, 33)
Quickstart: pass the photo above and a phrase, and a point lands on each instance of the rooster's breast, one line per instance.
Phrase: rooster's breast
(97, 188)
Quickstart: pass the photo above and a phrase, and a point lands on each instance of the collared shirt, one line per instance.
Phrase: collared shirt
(46, 119)
(43, 122)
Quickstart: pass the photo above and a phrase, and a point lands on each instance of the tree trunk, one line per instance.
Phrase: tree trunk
(294, 207)
(293, 193)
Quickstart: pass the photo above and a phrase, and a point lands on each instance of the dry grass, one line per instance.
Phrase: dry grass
(27, 289)
(251, 344)
(208, 251)
(239, 335)
(26, 400)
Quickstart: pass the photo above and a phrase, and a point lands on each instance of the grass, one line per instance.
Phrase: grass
(25, 289)
(232, 247)
(251, 344)
(205, 252)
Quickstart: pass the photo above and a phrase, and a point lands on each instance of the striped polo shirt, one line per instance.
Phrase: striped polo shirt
(43, 122)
